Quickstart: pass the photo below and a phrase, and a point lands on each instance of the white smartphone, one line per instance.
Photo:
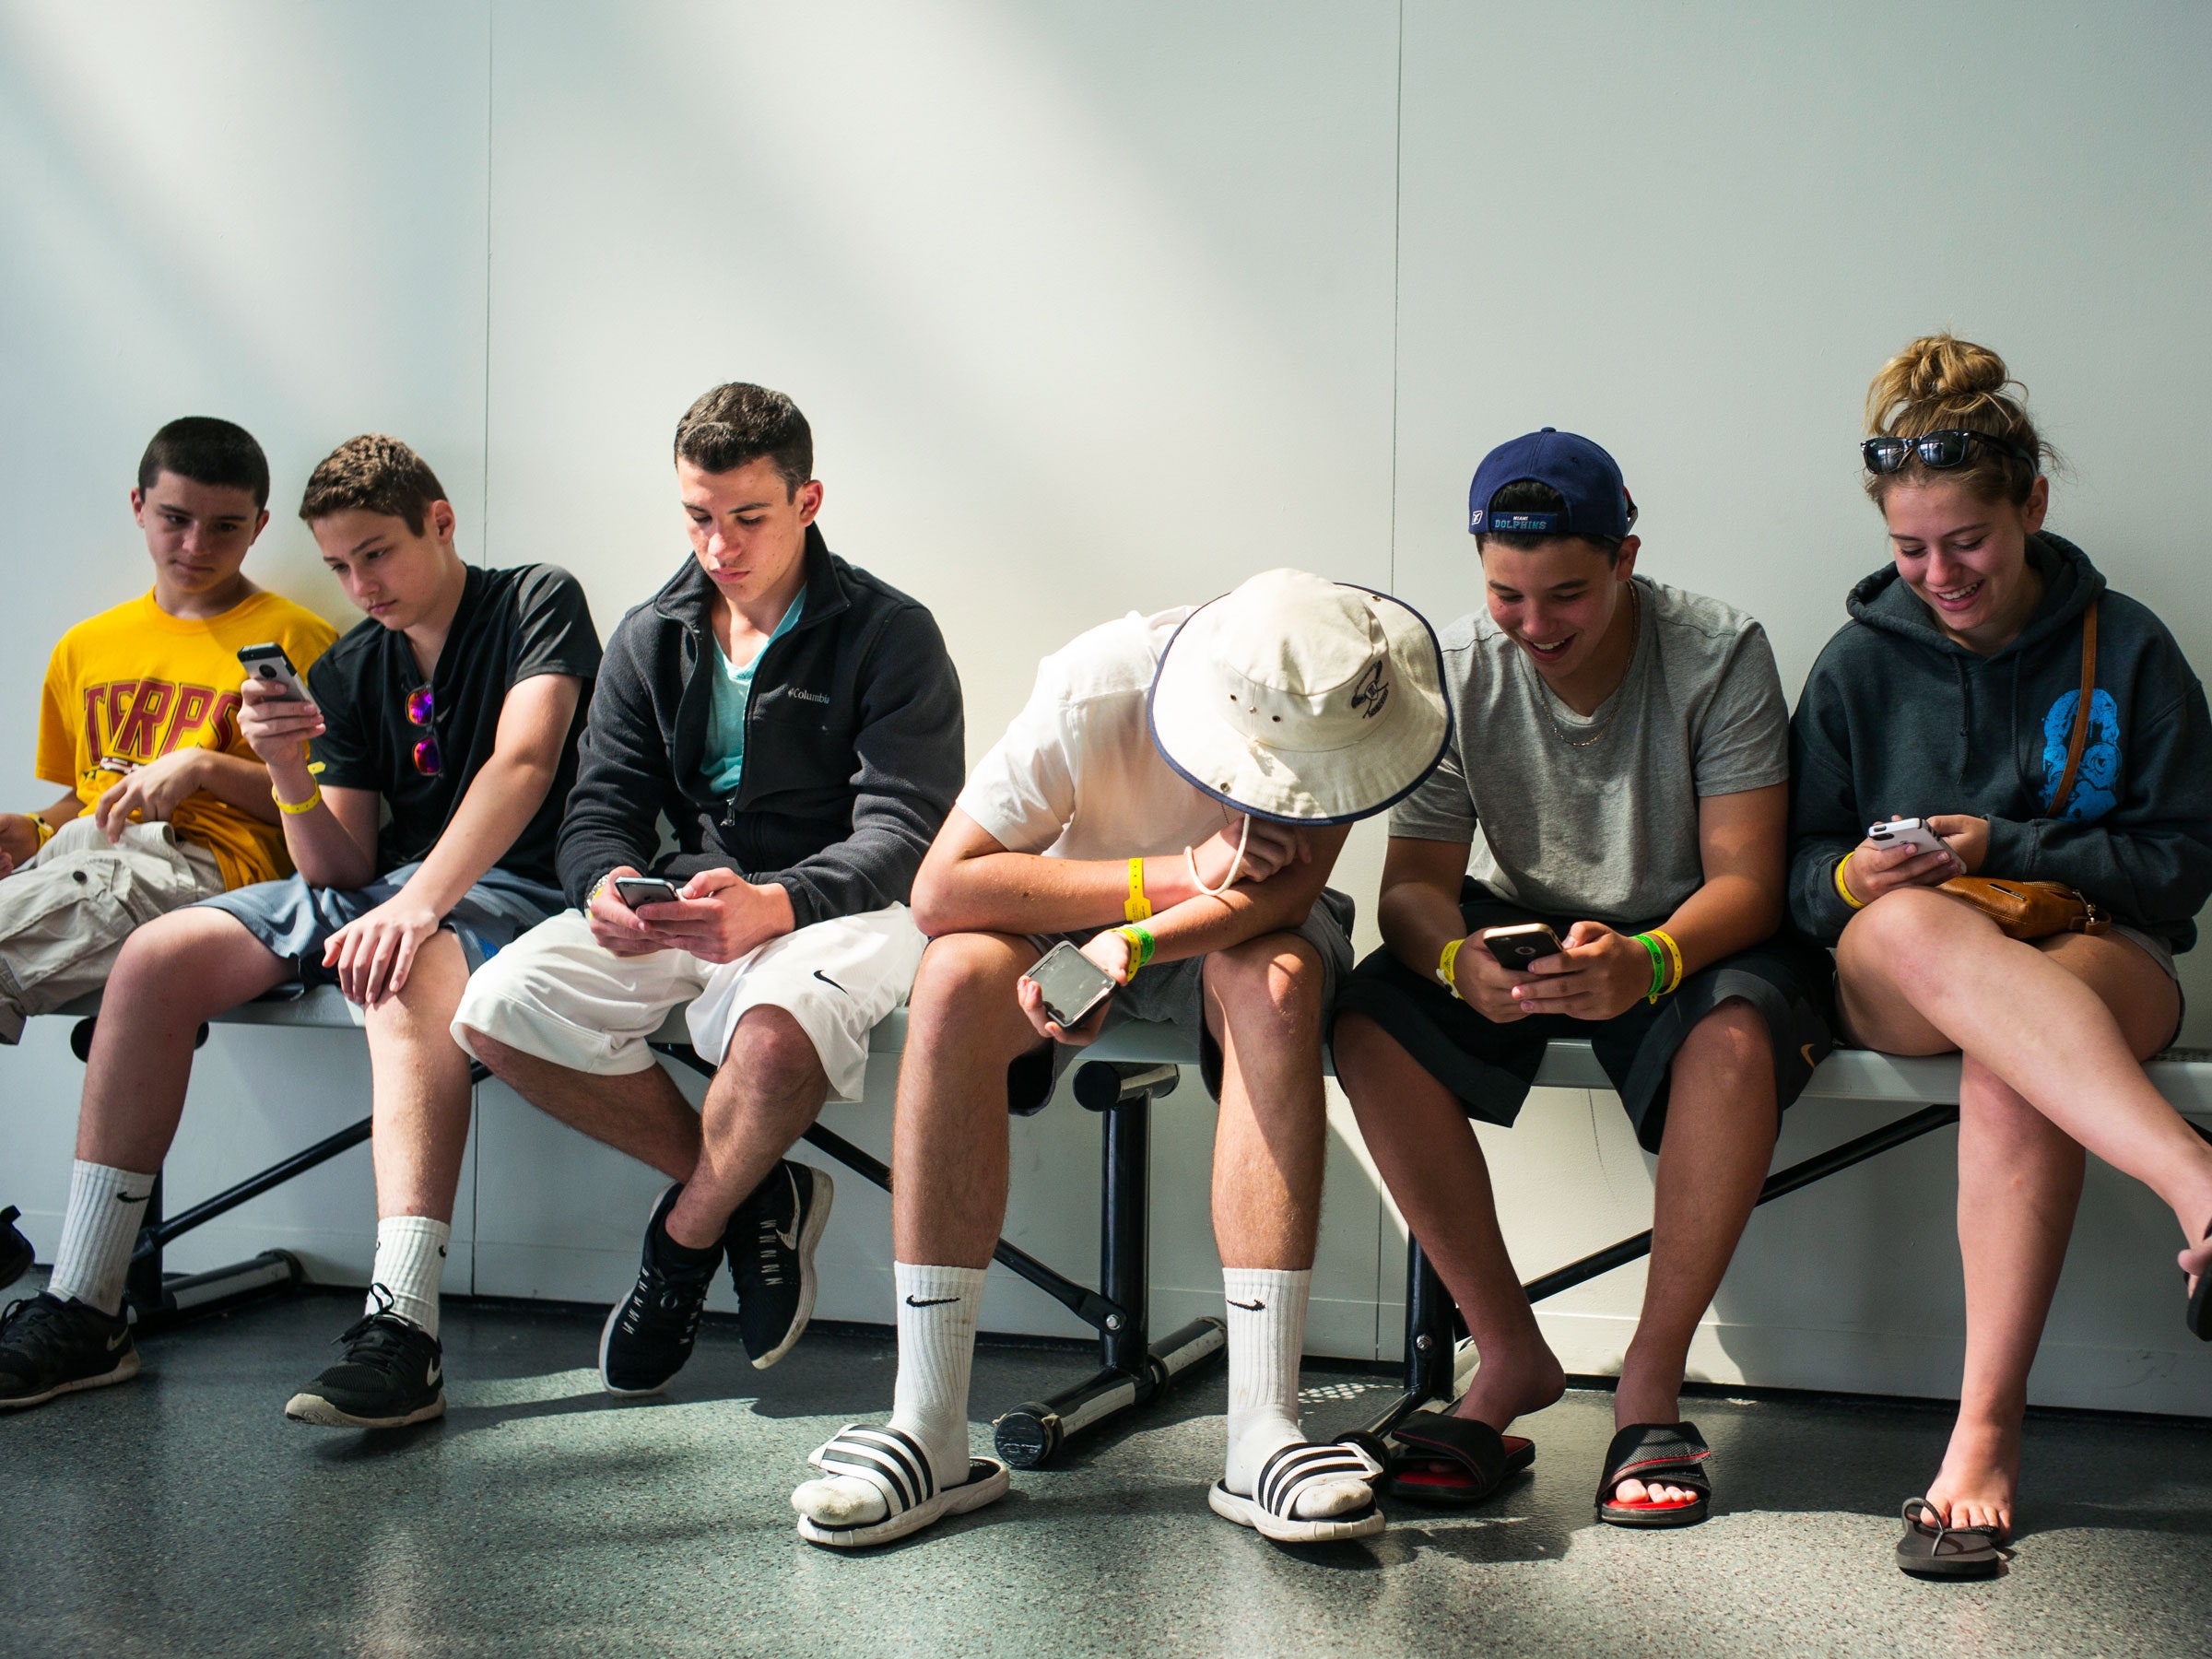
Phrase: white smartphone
(1072, 984)
(269, 665)
(635, 890)
(1906, 832)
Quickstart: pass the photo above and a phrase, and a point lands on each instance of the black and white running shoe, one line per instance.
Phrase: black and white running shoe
(49, 1346)
(393, 1374)
(770, 1240)
(649, 1334)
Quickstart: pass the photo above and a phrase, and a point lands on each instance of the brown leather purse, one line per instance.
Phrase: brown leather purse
(2036, 909)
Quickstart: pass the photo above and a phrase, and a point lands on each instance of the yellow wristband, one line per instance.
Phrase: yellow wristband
(40, 828)
(1674, 957)
(294, 809)
(1141, 946)
(1140, 907)
(1445, 964)
(1842, 887)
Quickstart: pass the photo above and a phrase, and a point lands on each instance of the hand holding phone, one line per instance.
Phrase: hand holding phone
(1071, 985)
(635, 890)
(1516, 947)
(1906, 832)
(270, 666)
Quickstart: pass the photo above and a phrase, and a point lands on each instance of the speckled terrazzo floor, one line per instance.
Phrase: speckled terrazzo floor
(181, 1515)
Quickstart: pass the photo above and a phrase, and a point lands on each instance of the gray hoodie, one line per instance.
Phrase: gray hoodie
(1896, 718)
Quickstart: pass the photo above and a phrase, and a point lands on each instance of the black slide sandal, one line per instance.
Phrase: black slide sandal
(1662, 1453)
(1932, 1549)
(1453, 1461)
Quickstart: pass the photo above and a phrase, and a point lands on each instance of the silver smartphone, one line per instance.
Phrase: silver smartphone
(1906, 832)
(270, 666)
(1072, 984)
(634, 890)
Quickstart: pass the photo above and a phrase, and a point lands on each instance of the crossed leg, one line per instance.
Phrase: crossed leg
(2068, 1016)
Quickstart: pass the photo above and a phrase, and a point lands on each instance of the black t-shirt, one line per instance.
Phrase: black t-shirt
(511, 625)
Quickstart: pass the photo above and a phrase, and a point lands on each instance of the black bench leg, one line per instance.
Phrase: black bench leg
(1430, 1347)
(1133, 1368)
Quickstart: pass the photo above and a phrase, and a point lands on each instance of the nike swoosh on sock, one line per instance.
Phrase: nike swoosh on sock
(935, 1302)
(1250, 1307)
(132, 1197)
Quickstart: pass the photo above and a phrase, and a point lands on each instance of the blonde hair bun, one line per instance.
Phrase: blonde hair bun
(1941, 381)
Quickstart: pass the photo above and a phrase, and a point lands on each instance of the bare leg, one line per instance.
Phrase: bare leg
(1420, 1139)
(1923, 974)
(1263, 1005)
(2019, 1182)
(642, 1113)
(421, 1088)
(175, 973)
(769, 1089)
(948, 1144)
(1722, 1120)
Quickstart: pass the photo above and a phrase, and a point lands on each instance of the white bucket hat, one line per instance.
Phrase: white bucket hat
(1303, 699)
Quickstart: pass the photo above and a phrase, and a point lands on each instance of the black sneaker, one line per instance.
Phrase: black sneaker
(49, 1346)
(393, 1374)
(649, 1334)
(770, 1240)
(16, 1253)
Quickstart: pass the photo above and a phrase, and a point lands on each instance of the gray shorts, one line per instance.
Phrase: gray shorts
(1173, 994)
(295, 921)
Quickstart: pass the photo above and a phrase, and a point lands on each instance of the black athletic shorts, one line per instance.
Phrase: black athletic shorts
(1490, 1068)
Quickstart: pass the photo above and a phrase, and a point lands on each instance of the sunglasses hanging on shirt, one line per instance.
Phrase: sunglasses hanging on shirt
(1938, 452)
(421, 709)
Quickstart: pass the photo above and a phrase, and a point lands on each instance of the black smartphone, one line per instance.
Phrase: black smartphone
(270, 666)
(1516, 947)
(634, 890)
(1072, 984)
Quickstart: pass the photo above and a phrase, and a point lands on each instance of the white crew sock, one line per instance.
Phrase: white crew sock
(106, 1208)
(938, 1308)
(1267, 1336)
(411, 1260)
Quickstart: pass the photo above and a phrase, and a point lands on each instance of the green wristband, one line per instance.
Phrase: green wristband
(1658, 966)
(1141, 944)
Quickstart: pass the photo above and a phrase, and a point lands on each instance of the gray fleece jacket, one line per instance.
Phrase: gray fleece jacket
(1896, 718)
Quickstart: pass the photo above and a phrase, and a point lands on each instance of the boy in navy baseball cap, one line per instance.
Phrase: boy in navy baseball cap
(1623, 748)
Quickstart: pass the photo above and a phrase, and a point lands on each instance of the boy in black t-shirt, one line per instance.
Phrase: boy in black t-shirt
(456, 705)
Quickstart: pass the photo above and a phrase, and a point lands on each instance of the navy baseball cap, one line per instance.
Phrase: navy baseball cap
(1588, 480)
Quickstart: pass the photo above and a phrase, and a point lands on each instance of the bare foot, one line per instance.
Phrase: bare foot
(1511, 1384)
(1979, 1478)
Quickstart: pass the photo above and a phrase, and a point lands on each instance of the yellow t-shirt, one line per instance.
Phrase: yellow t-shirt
(132, 683)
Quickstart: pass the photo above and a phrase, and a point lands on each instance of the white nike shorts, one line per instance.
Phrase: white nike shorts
(557, 994)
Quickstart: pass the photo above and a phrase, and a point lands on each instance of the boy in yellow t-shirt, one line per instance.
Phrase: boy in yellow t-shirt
(167, 803)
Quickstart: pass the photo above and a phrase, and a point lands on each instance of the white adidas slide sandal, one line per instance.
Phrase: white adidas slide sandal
(1272, 1509)
(894, 1464)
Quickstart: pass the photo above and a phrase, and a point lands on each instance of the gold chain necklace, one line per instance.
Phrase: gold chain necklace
(1545, 693)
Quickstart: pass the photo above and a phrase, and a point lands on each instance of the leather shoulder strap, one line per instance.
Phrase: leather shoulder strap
(2080, 740)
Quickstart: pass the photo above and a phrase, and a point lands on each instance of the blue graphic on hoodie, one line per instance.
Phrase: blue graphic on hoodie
(2097, 786)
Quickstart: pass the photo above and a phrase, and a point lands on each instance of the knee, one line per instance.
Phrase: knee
(772, 1055)
(1276, 979)
(960, 974)
(1733, 1038)
(1902, 935)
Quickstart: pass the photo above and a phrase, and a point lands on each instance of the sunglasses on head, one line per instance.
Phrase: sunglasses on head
(421, 708)
(1938, 452)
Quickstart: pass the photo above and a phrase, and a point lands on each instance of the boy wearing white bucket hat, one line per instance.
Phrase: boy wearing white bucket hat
(1172, 799)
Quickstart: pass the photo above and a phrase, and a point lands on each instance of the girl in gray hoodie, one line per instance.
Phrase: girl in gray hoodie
(1953, 696)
